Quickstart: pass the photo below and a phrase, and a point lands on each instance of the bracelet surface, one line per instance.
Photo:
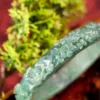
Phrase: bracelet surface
(62, 51)
(68, 73)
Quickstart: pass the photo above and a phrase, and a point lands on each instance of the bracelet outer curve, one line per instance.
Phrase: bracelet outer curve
(62, 51)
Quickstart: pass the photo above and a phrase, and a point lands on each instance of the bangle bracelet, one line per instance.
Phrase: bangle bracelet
(62, 51)
(67, 73)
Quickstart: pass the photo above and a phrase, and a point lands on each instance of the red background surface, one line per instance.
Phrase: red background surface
(93, 13)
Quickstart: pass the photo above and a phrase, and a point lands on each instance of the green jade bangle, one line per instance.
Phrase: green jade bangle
(47, 65)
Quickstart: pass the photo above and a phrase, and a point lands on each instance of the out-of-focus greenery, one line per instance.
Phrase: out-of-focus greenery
(37, 25)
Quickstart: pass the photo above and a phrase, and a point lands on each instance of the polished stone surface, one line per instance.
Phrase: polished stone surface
(53, 59)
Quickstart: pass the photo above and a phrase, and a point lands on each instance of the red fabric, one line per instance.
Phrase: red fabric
(93, 14)
(4, 18)
(11, 81)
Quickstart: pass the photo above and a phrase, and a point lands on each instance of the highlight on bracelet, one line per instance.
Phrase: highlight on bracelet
(50, 50)
(53, 59)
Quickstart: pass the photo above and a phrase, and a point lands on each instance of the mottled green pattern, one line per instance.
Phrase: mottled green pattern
(52, 60)
(68, 73)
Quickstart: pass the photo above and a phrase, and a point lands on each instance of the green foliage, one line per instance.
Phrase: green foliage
(37, 25)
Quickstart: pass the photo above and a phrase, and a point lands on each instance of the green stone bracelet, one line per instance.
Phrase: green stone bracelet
(62, 51)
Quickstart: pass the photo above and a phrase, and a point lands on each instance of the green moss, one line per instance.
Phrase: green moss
(37, 25)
